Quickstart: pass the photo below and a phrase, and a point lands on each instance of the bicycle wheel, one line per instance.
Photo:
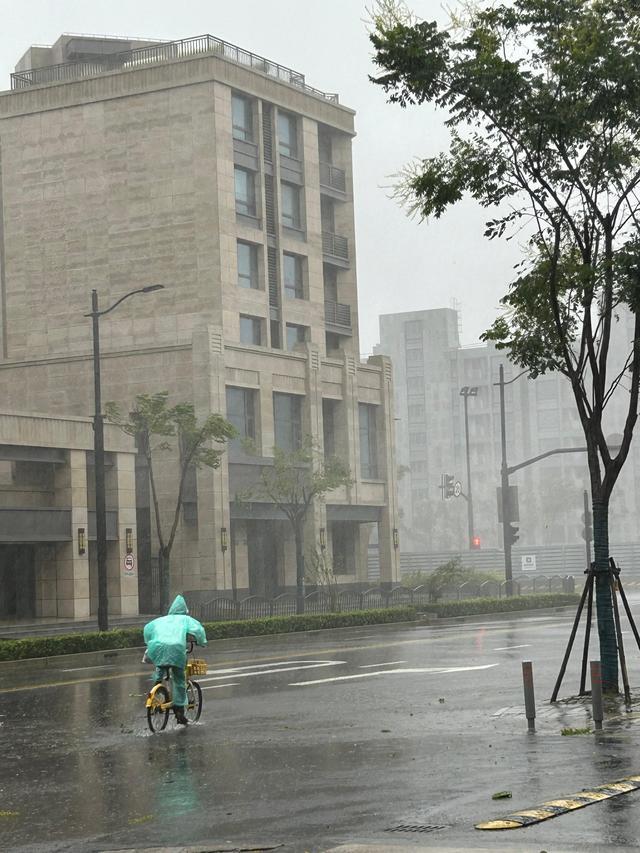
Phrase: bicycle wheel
(157, 716)
(194, 702)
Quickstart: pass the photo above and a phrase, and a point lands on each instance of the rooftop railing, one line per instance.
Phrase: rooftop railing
(163, 52)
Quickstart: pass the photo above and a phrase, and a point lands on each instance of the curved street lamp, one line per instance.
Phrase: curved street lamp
(98, 452)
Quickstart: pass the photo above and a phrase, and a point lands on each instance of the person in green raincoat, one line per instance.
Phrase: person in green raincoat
(166, 639)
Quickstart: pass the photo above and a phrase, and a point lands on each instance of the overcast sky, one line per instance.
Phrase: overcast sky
(403, 265)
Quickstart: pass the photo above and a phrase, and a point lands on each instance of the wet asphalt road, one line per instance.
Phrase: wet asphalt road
(314, 740)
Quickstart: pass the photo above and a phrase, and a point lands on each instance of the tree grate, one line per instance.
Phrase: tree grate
(416, 827)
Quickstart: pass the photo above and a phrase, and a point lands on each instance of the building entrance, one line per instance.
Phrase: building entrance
(17, 582)
(263, 558)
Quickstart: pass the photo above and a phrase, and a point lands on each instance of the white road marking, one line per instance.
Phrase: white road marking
(384, 663)
(433, 671)
(271, 664)
(507, 648)
(97, 666)
(236, 674)
(216, 686)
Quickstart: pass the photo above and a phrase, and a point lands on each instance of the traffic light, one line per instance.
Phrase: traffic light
(448, 486)
(475, 543)
(587, 526)
(511, 534)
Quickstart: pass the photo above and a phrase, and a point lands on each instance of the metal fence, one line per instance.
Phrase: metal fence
(163, 52)
(321, 601)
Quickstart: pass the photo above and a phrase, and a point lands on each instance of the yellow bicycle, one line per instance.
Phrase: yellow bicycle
(160, 702)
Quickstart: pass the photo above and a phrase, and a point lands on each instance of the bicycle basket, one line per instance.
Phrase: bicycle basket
(196, 667)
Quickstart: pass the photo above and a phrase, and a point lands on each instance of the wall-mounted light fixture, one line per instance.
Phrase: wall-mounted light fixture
(396, 538)
(128, 536)
(82, 542)
(224, 544)
(323, 538)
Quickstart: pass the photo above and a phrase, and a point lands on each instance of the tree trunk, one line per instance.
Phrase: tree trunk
(299, 567)
(604, 604)
(164, 565)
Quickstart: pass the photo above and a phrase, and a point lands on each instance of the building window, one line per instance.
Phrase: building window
(414, 356)
(329, 408)
(247, 265)
(295, 335)
(287, 135)
(415, 386)
(342, 548)
(287, 418)
(291, 206)
(241, 413)
(245, 189)
(293, 277)
(250, 330)
(368, 443)
(242, 118)
(417, 439)
(413, 330)
(416, 412)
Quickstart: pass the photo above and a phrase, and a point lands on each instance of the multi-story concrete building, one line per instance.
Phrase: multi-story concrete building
(430, 369)
(224, 177)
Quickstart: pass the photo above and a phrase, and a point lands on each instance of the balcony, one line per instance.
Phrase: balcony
(335, 249)
(333, 178)
(337, 316)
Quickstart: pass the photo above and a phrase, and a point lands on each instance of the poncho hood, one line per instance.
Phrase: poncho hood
(179, 606)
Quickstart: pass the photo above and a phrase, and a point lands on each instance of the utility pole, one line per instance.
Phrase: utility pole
(465, 393)
(504, 477)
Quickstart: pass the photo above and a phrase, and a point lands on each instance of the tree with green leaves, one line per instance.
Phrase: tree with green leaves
(153, 422)
(542, 101)
(296, 480)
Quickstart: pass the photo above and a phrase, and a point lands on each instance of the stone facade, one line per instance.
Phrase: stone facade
(129, 178)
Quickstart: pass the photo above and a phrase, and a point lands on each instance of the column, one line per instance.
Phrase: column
(72, 567)
(122, 569)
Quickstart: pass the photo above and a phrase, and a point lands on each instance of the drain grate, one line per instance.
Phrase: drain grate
(416, 827)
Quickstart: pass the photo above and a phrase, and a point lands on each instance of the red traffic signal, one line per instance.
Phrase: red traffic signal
(475, 542)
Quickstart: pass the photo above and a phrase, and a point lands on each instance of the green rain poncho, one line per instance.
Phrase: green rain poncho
(166, 636)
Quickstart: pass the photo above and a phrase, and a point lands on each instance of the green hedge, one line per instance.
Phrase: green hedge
(472, 606)
(126, 638)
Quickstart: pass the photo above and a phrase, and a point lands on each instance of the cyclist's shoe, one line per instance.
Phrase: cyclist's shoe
(181, 720)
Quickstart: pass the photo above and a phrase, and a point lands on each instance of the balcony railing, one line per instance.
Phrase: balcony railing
(333, 177)
(337, 313)
(335, 245)
(163, 52)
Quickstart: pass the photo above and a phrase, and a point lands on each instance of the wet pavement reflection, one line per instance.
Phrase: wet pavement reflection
(313, 740)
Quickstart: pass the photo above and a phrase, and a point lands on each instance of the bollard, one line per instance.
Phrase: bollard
(529, 698)
(596, 694)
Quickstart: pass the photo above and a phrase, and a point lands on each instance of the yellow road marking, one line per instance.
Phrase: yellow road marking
(237, 662)
(554, 808)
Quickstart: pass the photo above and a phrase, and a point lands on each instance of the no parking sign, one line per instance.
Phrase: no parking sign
(129, 564)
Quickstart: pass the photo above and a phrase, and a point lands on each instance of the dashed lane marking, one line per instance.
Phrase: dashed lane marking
(383, 663)
(411, 671)
(508, 648)
(554, 808)
(217, 686)
(237, 674)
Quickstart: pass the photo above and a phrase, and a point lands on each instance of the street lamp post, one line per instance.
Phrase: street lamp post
(98, 453)
(465, 393)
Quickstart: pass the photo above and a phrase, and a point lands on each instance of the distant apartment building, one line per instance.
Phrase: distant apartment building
(430, 370)
(226, 178)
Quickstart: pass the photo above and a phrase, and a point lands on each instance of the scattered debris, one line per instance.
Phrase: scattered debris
(501, 795)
